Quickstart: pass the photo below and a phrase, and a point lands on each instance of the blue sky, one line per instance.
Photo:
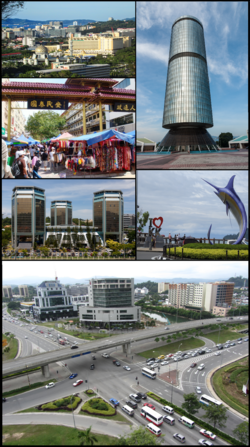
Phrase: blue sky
(187, 203)
(80, 192)
(226, 39)
(76, 10)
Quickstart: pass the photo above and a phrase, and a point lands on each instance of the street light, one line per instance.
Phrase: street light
(72, 409)
(177, 363)
(176, 314)
(219, 333)
(171, 391)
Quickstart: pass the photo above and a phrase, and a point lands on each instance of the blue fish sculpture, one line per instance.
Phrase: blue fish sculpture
(233, 203)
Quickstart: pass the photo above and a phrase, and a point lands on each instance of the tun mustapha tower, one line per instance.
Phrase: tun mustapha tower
(187, 107)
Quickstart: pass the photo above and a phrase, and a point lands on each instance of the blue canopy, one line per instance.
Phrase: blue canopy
(97, 137)
(22, 138)
(32, 141)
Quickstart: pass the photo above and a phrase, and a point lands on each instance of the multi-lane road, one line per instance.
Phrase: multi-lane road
(113, 381)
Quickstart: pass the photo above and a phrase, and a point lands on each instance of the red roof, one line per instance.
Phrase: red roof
(10, 54)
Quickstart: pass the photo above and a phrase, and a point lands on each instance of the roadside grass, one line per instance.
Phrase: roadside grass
(190, 343)
(223, 335)
(231, 392)
(46, 435)
(13, 345)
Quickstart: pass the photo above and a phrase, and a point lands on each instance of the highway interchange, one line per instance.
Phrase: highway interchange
(112, 381)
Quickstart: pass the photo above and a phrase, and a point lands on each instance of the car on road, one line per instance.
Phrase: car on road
(179, 437)
(186, 357)
(232, 344)
(176, 359)
(226, 345)
(135, 397)
(205, 442)
(166, 328)
(149, 360)
(207, 434)
(220, 347)
(74, 347)
(127, 368)
(114, 402)
(161, 357)
(164, 363)
(4, 399)
(217, 353)
(230, 318)
(157, 360)
(105, 355)
(142, 395)
(198, 390)
(239, 339)
(50, 385)
(201, 366)
(150, 363)
(25, 336)
(246, 339)
(78, 382)
(116, 363)
(131, 404)
(92, 366)
(73, 376)
(239, 342)
(149, 405)
(193, 365)
(208, 350)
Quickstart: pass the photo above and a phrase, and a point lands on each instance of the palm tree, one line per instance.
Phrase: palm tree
(87, 438)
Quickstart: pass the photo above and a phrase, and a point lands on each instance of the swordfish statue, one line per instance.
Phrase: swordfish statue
(233, 203)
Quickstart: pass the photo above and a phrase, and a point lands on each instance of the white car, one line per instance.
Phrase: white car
(239, 342)
(164, 363)
(200, 367)
(50, 385)
(105, 355)
(25, 336)
(205, 442)
(217, 353)
(198, 390)
(209, 350)
(127, 368)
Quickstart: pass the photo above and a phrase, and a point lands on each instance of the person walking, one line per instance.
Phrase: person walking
(170, 238)
(32, 150)
(45, 159)
(35, 165)
(22, 166)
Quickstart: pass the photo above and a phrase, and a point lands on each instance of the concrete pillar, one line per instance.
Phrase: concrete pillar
(100, 115)
(124, 350)
(45, 371)
(128, 348)
(9, 117)
(84, 118)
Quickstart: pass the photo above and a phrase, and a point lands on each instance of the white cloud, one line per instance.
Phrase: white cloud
(152, 51)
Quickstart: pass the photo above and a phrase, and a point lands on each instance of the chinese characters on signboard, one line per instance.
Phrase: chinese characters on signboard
(43, 103)
(124, 107)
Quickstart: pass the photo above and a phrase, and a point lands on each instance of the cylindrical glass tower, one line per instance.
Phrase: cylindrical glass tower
(187, 108)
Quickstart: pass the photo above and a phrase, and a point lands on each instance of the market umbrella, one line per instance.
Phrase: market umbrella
(21, 138)
(104, 135)
(65, 136)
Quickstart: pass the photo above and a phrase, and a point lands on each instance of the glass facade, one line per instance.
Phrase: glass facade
(187, 107)
(24, 215)
(52, 216)
(40, 214)
(69, 216)
(112, 297)
(61, 216)
(13, 217)
(112, 216)
(98, 215)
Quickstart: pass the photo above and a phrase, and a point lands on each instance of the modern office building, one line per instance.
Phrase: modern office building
(187, 108)
(28, 216)
(23, 291)
(7, 292)
(108, 214)
(111, 300)
(162, 286)
(202, 296)
(53, 302)
(61, 212)
(128, 221)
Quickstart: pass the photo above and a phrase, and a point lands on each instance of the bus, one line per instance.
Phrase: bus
(186, 421)
(152, 415)
(204, 399)
(147, 372)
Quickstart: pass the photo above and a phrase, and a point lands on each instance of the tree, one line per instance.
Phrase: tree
(242, 432)
(224, 138)
(45, 124)
(9, 8)
(87, 438)
(131, 235)
(141, 436)
(191, 404)
(142, 219)
(216, 414)
(88, 234)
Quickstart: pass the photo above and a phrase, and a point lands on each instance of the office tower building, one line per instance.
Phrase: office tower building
(61, 212)
(108, 214)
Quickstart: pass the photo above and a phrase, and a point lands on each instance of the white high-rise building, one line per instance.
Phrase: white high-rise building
(162, 286)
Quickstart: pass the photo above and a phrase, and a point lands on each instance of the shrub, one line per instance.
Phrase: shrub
(209, 253)
(99, 407)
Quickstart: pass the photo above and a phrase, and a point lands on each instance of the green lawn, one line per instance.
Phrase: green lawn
(46, 435)
(190, 343)
(223, 335)
(13, 345)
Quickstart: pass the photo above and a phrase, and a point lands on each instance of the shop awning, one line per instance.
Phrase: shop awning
(97, 137)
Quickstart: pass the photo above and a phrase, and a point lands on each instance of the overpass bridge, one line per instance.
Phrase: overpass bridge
(44, 359)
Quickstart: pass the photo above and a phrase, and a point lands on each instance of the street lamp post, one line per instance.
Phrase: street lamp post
(219, 334)
(171, 392)
(72, 410)
(177, 363)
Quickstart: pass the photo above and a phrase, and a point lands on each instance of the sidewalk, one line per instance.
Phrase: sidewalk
(55, 173)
